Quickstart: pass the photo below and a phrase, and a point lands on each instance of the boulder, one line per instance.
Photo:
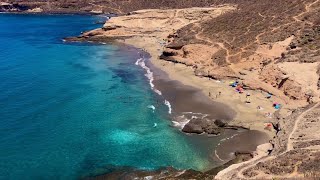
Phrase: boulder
(212, 130)
(220, 123)
(193, 126)
(199, 126)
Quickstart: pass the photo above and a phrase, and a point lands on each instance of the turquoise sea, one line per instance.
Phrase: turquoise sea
(71, 110)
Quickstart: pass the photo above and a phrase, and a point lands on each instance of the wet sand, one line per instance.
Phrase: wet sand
(186, 99)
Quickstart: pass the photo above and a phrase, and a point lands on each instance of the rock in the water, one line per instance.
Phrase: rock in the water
(199, 126)
(193, 126)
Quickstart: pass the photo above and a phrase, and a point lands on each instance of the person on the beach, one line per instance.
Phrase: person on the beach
(270, 150)
(269, 95)
(219, 93)
(276, 127)
(248, 100)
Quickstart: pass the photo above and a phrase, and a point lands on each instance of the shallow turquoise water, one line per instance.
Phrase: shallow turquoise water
(71, 110)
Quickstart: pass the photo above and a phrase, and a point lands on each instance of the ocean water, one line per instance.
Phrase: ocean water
(71, 110)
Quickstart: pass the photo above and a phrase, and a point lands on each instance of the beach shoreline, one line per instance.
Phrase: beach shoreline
(191, 102)
(229, 154)
(246, 142)
(247, 115)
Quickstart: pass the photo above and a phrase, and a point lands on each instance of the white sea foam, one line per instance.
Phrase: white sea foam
(224, 139)
(148, 178)
(215, 152)
(180, 124)
(152, 107)
(140, 62)
(167, 103)
(149, 74)
(196, 115)
(181, 121)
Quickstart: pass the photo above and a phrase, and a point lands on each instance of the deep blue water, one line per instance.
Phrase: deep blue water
(69, 110)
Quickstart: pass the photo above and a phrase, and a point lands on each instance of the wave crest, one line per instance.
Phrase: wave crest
(149, 74)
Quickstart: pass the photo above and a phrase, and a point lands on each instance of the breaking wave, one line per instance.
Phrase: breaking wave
(149, 74)
(140, 62)
(167, 103)
(185, 117)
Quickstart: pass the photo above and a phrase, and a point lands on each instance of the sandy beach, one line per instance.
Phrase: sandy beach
(247, 114)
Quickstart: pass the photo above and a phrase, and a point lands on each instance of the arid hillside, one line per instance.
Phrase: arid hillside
(271, 45)
(99, 6)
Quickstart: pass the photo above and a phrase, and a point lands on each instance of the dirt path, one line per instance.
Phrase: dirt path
(307, 9)
(202, 38)
(290, 142)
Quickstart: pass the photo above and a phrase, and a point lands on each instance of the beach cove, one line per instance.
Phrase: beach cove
(81, 112)
(172, 75)
(83, 108)
(159, 90)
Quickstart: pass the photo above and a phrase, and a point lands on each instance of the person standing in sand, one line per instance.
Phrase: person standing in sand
(248, 100)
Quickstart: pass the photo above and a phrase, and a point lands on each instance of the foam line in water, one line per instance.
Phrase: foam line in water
(152, 107)
(167, 103)
(182, 120)
(180, 124)
(215, 152)
(149, 74)
(140, 62)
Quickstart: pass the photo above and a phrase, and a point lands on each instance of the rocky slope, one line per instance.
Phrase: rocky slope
(296, 153)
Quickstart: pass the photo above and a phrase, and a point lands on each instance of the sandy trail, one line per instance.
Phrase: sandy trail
(307, 9)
